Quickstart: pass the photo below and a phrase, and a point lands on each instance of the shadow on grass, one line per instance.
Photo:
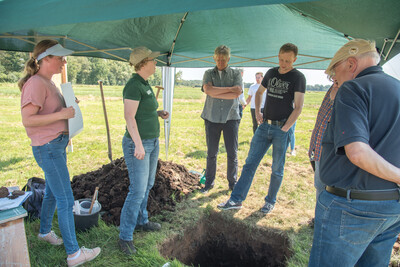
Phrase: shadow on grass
(198, 154)
(5, 164)
(215, 194)
(202, 154)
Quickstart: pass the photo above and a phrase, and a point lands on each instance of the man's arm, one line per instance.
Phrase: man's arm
(248, 100)
(258, 100)
(222, 92)
(364, 157)
(298, 107)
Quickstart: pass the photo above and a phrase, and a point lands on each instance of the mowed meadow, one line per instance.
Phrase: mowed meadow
(187, 146)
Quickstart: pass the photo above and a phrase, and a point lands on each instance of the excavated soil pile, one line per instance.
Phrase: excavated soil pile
(219, 241)
(173, 182)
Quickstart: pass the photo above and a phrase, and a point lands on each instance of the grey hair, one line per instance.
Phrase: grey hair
(374, 55)
(222, 50)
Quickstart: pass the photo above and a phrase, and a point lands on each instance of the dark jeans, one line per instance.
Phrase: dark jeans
(213, 134)
(253, 116)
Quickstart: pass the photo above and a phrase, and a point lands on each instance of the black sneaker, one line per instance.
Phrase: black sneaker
(127, 247)
(205, 190)
(229, 205)
(149, 227)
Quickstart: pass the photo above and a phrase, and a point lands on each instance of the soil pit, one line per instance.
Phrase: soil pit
(173, 182)
(219, 241)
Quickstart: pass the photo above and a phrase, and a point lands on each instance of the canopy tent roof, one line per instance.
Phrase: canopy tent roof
(186, 32)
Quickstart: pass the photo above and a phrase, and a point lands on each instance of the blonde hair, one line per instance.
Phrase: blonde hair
(32, 65)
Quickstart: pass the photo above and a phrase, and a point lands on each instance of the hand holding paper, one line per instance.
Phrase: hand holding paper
(75, 120)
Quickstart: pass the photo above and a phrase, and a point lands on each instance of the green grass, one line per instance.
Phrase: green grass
(296, 199)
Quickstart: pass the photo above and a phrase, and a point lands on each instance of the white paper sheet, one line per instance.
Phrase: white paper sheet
(6, 203)
(75, 125)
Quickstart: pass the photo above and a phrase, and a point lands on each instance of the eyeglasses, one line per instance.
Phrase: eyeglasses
(333, 70)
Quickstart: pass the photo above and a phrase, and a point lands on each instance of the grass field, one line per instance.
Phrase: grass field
(296, 199)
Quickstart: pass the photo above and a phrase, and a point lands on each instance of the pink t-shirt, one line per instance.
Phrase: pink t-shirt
(43, 93)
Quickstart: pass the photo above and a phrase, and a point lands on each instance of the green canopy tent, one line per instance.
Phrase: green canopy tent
(187, 31)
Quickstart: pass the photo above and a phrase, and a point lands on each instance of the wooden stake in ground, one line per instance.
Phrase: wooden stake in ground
(96, 191)
(105, 117)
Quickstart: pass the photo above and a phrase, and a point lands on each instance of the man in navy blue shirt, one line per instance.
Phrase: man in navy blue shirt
(357, 217)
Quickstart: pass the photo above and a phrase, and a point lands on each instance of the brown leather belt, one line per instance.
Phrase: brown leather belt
(376, 195)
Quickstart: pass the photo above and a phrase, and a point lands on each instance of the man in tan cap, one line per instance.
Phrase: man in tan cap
(357, 217)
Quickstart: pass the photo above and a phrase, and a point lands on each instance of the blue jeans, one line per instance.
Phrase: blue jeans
(254, 119)
(142, 174)
(354, 232)
(265, 136)
(52, 158)
(292, 137)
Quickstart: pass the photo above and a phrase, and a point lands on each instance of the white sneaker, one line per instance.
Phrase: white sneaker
(51, 238)
(85, 255)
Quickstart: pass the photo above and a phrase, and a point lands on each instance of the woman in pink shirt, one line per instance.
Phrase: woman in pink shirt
(45, 118)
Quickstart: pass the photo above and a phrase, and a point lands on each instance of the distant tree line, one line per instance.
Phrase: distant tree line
(81, 70)
(11, 66)
(318, 87)
(89, 70)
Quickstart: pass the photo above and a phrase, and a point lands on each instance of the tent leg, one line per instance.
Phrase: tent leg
(168, 78)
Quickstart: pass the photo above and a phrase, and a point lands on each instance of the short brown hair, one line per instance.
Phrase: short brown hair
(140, 65)
(289, 47)
(262, 74)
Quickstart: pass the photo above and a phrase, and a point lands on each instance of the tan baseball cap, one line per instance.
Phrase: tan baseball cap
(352, 48)
(140, 53)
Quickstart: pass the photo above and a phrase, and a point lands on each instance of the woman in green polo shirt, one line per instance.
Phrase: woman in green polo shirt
(140, 146)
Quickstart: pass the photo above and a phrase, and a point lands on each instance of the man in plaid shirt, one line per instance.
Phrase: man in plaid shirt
(323, 117)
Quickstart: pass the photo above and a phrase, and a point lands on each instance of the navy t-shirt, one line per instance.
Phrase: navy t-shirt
(280, 92)
(366, 109)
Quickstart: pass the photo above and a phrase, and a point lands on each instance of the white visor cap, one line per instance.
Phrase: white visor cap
(55, 50)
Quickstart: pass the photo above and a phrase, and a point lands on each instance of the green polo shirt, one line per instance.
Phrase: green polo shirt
(146, 115)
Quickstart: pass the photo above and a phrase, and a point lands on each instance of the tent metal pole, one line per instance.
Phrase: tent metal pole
(66, 38)
(106, 119)
(391, 47)
(171, 50)
(306, 63)
(92, 47)
(168, 79)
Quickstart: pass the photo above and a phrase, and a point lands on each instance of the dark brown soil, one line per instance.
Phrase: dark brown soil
(173, 182)
(220, 241)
